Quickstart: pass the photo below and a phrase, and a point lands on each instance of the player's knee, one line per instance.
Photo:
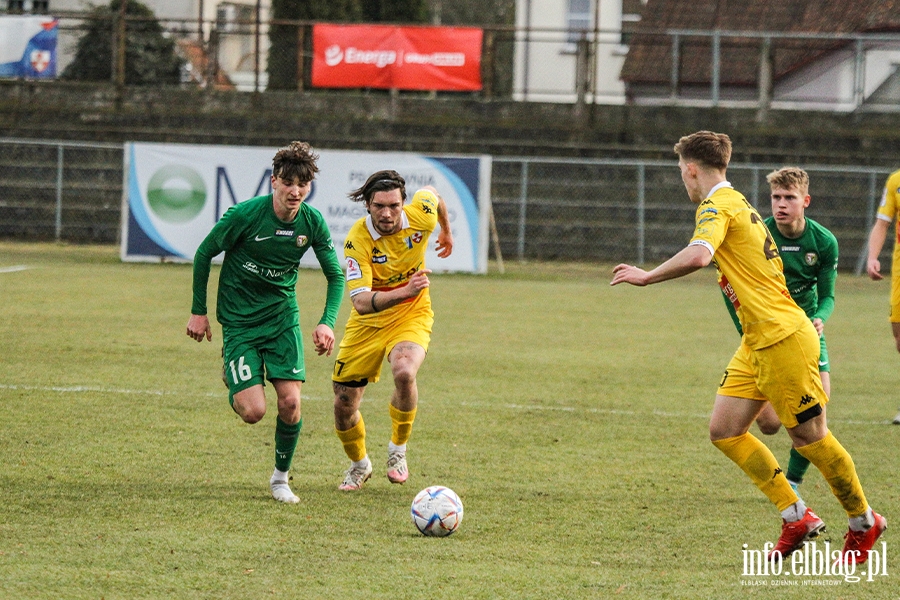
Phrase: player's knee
(405, 375)
(289, 406)
(250, 415)
(768, 428)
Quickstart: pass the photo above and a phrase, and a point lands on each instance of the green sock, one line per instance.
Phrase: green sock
(797, 466)
(286, 437)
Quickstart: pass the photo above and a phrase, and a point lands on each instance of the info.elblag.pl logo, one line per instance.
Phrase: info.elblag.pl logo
(813, 561)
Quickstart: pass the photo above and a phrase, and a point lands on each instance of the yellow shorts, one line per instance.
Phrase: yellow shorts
(895, 299)
(363, 348)
(785, 373)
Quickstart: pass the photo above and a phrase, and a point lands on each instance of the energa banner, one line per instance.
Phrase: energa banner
(405, 58)
(28, 46)
(175, 193)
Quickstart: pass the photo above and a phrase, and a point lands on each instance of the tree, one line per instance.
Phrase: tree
(150, 57)
(282, 67)
(395, 11)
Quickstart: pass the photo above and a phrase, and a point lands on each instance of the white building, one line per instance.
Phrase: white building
(546, 48)
(232, 20)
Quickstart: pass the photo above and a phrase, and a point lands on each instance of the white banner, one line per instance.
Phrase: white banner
(175, 193)
(28, 46)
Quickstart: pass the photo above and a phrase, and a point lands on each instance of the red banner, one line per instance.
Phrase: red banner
(405, 58)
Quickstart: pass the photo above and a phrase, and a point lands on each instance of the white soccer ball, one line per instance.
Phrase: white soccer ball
(437, 511)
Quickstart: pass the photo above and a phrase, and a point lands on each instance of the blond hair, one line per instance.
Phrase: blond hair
(789, 177)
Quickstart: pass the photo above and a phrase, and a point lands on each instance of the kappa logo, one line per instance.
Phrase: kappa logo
(378, 256)
(806, 400)
(349, 246)
(427, 209)
(777, 472)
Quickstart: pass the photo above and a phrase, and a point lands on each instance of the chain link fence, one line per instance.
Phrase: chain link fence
(554, 209)
(680, 67)
(638, 210)
(60, 191)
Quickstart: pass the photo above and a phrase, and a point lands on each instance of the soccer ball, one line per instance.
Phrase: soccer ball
(436, 511)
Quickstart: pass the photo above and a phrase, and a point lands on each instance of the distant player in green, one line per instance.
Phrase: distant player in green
(810, 256)
(263, 240)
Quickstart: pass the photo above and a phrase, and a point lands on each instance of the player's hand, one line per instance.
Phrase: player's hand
(417, 283)
(873, 268)
(323, 338)
(444, 244)
(819, 325)
(629, 274)
(198, 328)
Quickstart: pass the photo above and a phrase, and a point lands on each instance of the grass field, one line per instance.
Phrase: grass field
(570, 417)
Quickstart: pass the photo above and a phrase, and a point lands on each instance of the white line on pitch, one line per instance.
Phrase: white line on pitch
(605, 411)
(13, 269)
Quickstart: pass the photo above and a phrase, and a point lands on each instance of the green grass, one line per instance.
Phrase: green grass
(570, 417)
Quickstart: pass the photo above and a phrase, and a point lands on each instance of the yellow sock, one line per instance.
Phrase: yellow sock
(401, 424)
(757, 461)
(837, 467)
(354, 440)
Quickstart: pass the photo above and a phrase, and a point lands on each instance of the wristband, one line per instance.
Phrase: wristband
(374, 310)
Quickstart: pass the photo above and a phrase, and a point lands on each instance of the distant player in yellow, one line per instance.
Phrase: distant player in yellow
(778, 356)
(391, 314)
(887, 212)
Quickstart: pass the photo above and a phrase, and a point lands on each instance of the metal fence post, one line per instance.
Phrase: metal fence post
(59, 188)
(523, 201)
(716, 66)
(754, 187)
(675, 74)
(870, 217)
(766, 69)
(859, 75)
(641, 209)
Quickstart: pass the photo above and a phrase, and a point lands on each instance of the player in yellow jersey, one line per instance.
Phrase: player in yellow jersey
(391, 314)
(778, 356)
(887, 212)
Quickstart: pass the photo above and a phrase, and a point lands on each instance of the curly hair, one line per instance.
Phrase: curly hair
(295, 161)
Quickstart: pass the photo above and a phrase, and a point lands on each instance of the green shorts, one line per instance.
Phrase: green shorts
(824, 365)
(252, 354)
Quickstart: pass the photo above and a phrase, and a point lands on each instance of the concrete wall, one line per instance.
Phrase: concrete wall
(447, 123)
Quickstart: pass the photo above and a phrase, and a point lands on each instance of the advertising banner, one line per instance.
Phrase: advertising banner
(405, 58)
(28, 46)
(175, 193)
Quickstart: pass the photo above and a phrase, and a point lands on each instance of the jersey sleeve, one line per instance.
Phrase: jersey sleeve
(423, 211)
(828, 260)
(357, 261)
(887, 210)
(712, 221)
(223, 236)
(323, 246)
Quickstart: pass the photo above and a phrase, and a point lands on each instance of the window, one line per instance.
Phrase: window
(579, 19)
(28, 6)
(235, 18)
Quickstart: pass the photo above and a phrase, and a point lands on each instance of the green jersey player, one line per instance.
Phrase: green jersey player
(263, 240)
(810, 256)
